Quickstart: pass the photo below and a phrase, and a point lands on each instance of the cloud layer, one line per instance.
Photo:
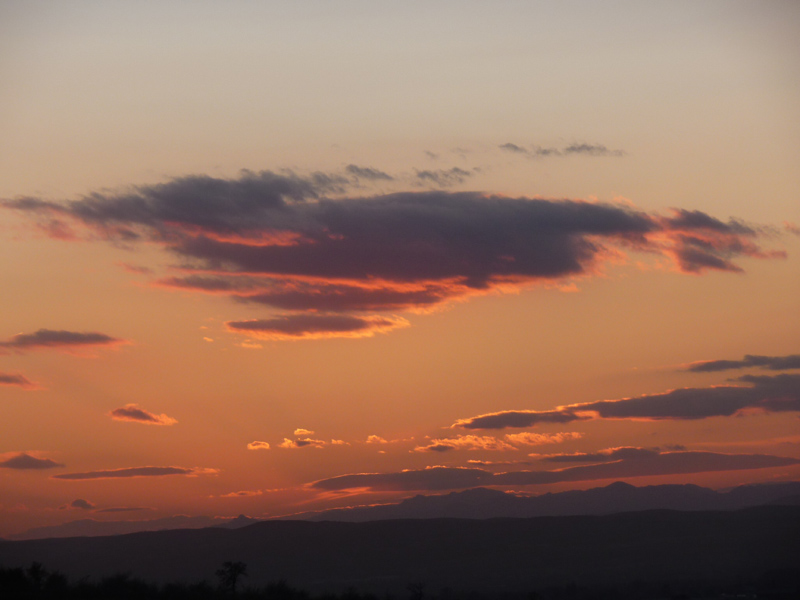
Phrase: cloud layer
(631, 465)
(777, 393)
(772, 363)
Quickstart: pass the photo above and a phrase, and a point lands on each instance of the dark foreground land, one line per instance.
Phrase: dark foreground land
(653, 554)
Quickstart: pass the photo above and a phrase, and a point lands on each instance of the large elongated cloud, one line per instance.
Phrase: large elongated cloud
(136, 472)
(59, 340)
(281, 241)
(776, 393)
(643, 465)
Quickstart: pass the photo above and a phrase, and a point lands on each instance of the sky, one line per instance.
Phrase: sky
(269, 258)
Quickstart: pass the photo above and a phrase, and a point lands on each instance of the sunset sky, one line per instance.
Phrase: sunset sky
(275, 257)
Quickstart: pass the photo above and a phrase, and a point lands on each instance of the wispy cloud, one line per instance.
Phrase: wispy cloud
(136, 472)
(17, 380)
(465, 442)
(301, 431)
(258, 446)
(132, 412)
(24, 461)
(242, 494)
(444, 478)
(772, 363)
(528, 438)
(368, 173)
(778, 393)
(82, 504)
(312, 326)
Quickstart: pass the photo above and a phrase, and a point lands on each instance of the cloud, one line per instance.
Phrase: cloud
(258, 446)
(368, 173)
(779, 393)
(339, 443)
(281, 241)
(132, 412)
(528, 438)
(465, 442)
(608, 455)
(509, 147)
(444, 177)
(376, 439)
(82, 504)
(25, 461)
(301, 431)
(773, 363)
(119, 509)
(66, 340)
(444, 478)
(301, 443)
(242, 494)
(136, 472)
(591, 150)
(313, 326)
(17, 380)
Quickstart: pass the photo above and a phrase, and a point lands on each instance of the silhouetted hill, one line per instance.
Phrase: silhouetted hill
(461, 554)
(482, 503)
(93, 528)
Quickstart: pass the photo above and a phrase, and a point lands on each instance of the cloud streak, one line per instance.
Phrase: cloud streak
(135, 472)
(772, 363)
(17, 380)
(313, 326)
(643, 465)
(778, 393)
(59, 340)
(135, 414)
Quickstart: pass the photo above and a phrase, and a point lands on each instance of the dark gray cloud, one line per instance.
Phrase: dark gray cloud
(301, 443)
(300, 326)
(49, 338)
(778, 393)
(445, 478)
(444, 177)
(132, 412)
(135, 472)
(24, 461)
(591, 150)
(772, 363)
(368, 173)
(82, 504)
(17, 380)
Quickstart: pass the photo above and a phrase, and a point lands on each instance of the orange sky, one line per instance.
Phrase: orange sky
(245, 271)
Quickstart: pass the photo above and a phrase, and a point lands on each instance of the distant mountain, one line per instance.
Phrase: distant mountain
(93, 528)
(481, 555)
(483, 503)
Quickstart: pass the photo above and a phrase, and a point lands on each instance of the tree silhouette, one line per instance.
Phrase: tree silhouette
(230, 573)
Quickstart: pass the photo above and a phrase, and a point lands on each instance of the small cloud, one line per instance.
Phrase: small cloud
(132, 412)
(509, 147)
(59, 340)
(368, 173)
(772, 363)
(242, 494)
(592, 150)
(339, 443)
(376, 439)
(17, 380)
(258, 446)
(301, 431)
(24, 461)
(444, 177)
(82, 504)
(465, 442)
(137, 472)
(119, 509)
(136, 269)
(535, 439)
(314, 326)
(301, 443)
